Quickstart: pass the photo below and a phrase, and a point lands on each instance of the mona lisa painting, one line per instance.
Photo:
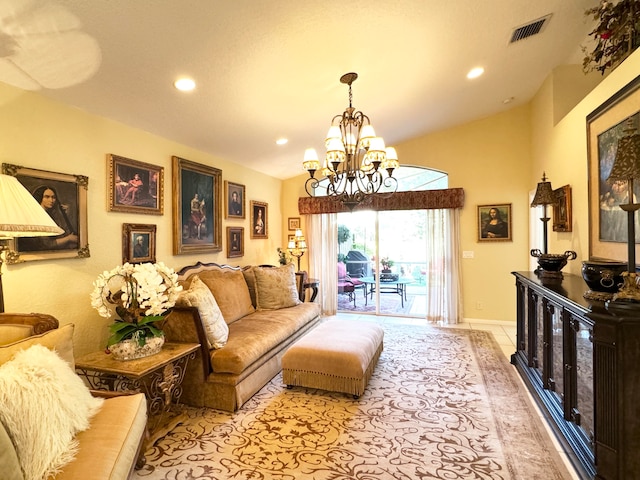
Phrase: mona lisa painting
(494, 223)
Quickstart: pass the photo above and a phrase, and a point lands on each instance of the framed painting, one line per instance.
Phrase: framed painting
(294, 223)
(234, 204)
(494, 223)
(259, 219)
(605, 126)
(197, 208)
(562, 220)
(138, 243)
(134, 187)
(235, 242)
(64, 198)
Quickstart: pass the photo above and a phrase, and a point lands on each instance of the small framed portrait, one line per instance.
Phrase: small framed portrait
(138, 243)
(291, 238)
(197, 208)
(135, 187)
(494, 223)
(562, 221)
(259, 219)
(235, 242)
(294, 223)
(64, 198)
(234, 204)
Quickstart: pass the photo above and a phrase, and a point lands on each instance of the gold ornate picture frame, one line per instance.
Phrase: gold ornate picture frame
(562, 218)
(494, 222)
(235, 242)
(197, 207)
(259, 219)
(67, 204)
(234, 200)
(134, 187)
(138, 243)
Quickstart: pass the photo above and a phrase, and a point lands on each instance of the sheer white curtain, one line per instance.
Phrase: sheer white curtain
(323, 254)
(444, 287)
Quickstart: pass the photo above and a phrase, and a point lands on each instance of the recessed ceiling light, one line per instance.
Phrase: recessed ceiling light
(282, 141)
(185, 84)
(475, 72)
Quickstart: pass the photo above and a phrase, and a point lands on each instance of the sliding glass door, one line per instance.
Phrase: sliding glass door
(382, 263)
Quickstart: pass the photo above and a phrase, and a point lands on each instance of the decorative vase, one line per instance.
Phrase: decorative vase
(603, 277)
(130, 349)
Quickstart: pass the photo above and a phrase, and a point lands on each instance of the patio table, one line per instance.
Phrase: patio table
(398, 286)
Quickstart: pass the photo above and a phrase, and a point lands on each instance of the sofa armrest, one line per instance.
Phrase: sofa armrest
(40, 322)
(183, 325)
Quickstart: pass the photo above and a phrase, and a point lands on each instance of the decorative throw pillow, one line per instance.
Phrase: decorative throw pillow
(230, 291)
(10, 333)
(59, 339)
(43, 404)
(250, 278)
(276, 287)
(200, 296)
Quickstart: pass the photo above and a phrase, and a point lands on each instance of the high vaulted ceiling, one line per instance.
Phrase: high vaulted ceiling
(267, 69)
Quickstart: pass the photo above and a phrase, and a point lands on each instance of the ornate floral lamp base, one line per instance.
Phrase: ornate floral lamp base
(130, 349)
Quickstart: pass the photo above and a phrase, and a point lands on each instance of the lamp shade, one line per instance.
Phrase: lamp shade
(544, 194)
(20, 213)
(627, 162)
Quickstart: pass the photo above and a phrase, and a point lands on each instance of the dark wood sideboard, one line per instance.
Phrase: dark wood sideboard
(582, 366)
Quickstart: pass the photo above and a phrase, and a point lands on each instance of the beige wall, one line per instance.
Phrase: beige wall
(500, 159)
(561, 151)
(489, 158)
(496, 160)
(38, 133)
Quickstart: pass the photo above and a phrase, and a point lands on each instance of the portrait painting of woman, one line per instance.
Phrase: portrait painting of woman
(494, 222)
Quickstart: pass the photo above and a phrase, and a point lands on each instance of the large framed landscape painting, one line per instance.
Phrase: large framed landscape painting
(197, 208)
(607, 221)
(64, 198)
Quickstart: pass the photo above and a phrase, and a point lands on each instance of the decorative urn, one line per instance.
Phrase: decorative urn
(603, 277)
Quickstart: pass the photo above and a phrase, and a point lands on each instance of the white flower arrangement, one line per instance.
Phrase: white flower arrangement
(141, 293)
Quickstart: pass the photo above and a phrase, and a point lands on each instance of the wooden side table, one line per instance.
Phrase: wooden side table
(158, 376)
(313, 284)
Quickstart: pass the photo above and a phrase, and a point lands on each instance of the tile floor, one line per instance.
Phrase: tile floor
(505, 335)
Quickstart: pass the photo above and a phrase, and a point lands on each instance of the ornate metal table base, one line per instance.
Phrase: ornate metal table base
(161, 382)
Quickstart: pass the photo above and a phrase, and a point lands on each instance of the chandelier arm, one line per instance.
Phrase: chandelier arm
(310, 185)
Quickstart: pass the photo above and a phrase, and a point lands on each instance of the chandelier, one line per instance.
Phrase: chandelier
(356, 164)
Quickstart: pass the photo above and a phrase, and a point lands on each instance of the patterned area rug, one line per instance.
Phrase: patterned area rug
(442, 404)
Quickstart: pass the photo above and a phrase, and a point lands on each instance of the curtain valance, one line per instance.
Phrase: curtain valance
(427, 199)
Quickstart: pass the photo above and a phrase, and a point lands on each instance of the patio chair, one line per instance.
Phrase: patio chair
(347, 284)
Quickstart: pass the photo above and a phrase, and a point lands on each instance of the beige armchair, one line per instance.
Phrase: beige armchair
(112, 445)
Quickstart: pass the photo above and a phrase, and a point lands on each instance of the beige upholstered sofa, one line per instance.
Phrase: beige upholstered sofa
(264, 314)
(108, 449)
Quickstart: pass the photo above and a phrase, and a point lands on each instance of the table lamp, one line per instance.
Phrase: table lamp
(297, 246)
(20, 216)
(549, 264)
(626, 168)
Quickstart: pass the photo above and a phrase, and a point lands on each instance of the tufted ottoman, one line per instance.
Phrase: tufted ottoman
(338, 356)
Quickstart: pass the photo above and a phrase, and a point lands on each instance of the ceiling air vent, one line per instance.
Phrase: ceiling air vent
(530, 29)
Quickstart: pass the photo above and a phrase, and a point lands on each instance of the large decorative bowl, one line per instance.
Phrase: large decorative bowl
(603, 277)
(551, 264)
